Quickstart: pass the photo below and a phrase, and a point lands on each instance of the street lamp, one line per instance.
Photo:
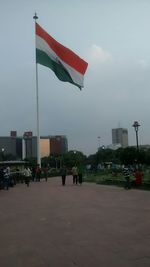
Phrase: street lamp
(75, 159)
(98, 142)
(136, 128)
(3, 153)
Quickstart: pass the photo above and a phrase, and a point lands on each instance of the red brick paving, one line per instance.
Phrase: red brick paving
(47, 225)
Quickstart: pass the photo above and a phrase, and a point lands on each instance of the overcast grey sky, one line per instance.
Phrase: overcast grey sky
(113, 36)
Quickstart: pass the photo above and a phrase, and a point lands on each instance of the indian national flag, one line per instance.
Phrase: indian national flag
(67, 66)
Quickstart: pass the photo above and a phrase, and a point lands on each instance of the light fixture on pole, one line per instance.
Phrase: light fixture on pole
(3, 153)
(136, 126)
(74, 157)
(98, 142)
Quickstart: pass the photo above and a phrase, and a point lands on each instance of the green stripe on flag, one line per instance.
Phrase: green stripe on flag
(61, 73)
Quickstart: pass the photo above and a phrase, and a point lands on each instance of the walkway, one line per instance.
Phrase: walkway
(47, 225)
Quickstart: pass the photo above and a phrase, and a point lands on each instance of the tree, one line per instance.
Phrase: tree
(105, 155)
(147, 157)
(72, 158)
(129, 155)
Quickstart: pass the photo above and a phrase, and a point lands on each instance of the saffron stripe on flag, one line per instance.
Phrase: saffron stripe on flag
(64, 53)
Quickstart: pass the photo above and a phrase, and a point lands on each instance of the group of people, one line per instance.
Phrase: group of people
(9, 178)
(77, 175)
(138, 176)
(34, 174)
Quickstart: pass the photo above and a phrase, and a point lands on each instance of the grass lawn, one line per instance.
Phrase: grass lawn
(115, 179)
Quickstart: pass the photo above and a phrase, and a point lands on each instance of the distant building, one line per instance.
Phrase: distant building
(58, 144)
(114, 147)
(11, 145)
(44, 147)
(29, 143)
(13, 134)
(120, 136)
(26, 145)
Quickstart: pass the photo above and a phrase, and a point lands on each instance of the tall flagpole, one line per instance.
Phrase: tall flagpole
(37, 103)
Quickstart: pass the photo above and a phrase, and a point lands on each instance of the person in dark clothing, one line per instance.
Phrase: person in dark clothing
(38, 173)
(80, 174)
(75, 175)
(80, 178)
(45, 171)
(6, 178)
(63, 175)
(33, 173)
(126, 174)
(1, 178)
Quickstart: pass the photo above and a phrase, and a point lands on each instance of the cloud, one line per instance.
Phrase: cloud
(98, 55)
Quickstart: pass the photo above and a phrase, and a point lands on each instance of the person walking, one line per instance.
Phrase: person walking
(138, 177)
(1, 178)
(45, 172)
(80, 174)
(126, 174)
(33, 173)
(38, 173)
(63, 175)
(75, 175)
(27, 174)
(7, 178)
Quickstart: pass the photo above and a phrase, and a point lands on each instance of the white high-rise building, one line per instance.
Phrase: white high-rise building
(120, 136)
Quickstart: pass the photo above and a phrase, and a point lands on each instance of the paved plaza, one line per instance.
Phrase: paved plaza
(47, 225)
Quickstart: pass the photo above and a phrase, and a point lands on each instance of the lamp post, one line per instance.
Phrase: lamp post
(75, 159)
(98, 142)
(136, 128)
(3, 153)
